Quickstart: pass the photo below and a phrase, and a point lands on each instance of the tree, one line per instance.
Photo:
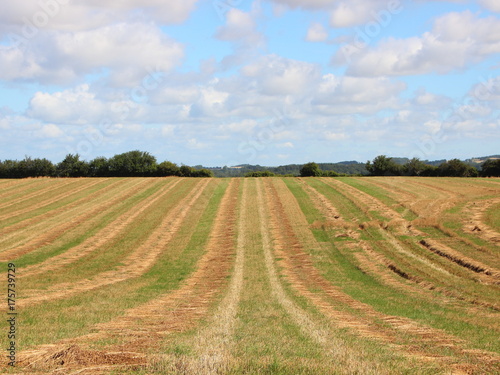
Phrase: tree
(260, 174)
(185, 171)
(310, 170)
(99, 167)
(133, 164)
(329, 174)
(167, 168)
(202, 173)
(72, 166)
(414, 167)
(10, 169)
(456, 168)
(491, 168)
(383, 166)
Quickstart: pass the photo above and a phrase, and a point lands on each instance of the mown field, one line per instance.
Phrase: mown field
(253, 276)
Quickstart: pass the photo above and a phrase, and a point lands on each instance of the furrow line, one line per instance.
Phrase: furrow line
(136, 263)
(281, 241)
(106, 234)
(80, 206)
(80, 187)
(36, 193)
(213, 344)
(490, 275)
(144, 326)
(475, 222)
(299, 269)
(17, 186)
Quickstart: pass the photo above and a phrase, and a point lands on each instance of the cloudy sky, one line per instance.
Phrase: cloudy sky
(270, 82)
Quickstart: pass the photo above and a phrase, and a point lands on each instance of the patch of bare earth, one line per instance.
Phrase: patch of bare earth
(304, 277)
(142, 329)
(135, 264)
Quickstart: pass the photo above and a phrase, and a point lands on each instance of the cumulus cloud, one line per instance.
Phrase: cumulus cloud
(343, 95)
(74, 106)
(306, 4)
(428, 100)
(240, 30)
(492, 5)
(28, 16)
(345, 13)
(456, 41)
(275, 75)
(358, 12)
(316, 33)
(130, 50)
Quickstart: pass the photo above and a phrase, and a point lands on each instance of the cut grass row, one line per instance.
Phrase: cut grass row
(75, 316)
(264, 285)
(368, 289)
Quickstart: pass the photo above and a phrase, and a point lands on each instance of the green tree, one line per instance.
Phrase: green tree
(133, 164)
(201, 173)
(29, 167)
(329, 174)
(167, 168)
(10, 169)
(72, 166)
(310, 170)
(99, 167)
(260, 174)
(456, 168)
(414, 167)
(491, 168)
(186, 171)
(383, 166)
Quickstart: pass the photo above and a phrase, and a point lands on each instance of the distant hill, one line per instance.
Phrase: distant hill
(482, 159)
(345, 167)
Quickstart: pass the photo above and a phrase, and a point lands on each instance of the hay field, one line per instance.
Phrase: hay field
(388, 275)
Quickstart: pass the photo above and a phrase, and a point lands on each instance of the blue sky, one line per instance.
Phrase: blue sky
(271, 82)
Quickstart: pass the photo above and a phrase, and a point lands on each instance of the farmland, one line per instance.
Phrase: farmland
(380, 275)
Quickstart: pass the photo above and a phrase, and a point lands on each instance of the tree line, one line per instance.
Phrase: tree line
(386, 166)
(128, 164)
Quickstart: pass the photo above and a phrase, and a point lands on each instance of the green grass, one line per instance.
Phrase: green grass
(341, 269)
(268, 336)
(493, 217)
(74, 316)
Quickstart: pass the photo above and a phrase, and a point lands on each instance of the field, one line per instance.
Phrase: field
(252, 276)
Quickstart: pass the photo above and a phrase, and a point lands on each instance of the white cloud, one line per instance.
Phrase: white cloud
(431, 101)
(456, 41)
(194, 144)
(129, 50)
(492, 5)
(76, 106)
(316, 33)
(306, 4)
(240, 30)
(331, 136)
(23, 17)
(345, 95)
(210, 103)
(275, 75)
(50, 131)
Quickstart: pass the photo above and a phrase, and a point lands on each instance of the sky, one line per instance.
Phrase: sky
(269, 82)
